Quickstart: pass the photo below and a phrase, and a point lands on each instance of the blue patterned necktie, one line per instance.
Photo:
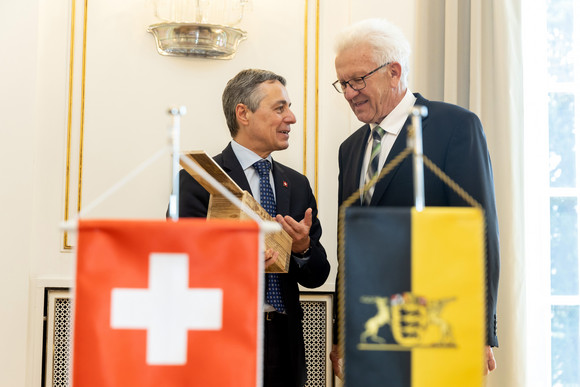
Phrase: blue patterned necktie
(373, 167)
(273, 293)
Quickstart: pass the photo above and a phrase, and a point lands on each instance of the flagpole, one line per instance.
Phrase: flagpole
(415, 141)
(174, 140)
(265, 226)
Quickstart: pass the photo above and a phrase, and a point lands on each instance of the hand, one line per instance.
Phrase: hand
(299, 231)
(337, 362)
(270, 257)
(489, 361)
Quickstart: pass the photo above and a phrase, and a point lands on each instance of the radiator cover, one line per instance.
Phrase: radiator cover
(317, 326)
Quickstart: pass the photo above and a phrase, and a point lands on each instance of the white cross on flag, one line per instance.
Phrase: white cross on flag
(167, 304)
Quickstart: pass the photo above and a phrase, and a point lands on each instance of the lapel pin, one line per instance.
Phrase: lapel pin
(285, 184)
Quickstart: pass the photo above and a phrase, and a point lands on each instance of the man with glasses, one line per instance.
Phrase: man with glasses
(372, 65)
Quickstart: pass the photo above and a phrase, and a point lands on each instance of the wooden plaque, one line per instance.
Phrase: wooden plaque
(220, 207)
(203, 160)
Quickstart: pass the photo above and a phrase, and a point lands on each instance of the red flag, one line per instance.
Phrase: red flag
(167, 303)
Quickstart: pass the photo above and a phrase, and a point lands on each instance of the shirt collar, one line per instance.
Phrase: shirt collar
(246, 157)
(394, 121)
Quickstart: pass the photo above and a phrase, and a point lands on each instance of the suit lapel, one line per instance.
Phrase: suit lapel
(399, 145)
(357, 151)
(232, 167)
(282, 187)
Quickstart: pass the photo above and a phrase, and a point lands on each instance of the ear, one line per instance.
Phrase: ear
(395, 70)
(242, 114)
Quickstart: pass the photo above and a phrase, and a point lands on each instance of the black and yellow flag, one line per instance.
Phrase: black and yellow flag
(414, 296)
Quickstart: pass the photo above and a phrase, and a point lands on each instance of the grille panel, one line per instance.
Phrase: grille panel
(316, 335)
(58, 338)
(317, 325)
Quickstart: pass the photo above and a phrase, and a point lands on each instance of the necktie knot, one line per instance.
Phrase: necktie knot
(378, 133)
(263, 167)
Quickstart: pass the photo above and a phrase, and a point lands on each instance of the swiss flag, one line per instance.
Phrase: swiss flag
(161, 303)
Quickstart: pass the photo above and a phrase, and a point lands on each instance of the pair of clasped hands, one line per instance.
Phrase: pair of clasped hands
(298, 231)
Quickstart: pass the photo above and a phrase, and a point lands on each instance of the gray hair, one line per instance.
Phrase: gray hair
(244, 89)
(386, 40)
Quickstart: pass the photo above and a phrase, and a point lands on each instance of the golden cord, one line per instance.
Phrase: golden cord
(356, 195)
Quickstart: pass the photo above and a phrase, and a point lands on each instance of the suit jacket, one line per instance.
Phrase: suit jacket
(454, 140)
(293, 197)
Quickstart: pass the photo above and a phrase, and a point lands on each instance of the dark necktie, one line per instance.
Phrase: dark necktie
(273, 293)
(373, 167)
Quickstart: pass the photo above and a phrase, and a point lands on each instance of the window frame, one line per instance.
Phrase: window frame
(537, 190)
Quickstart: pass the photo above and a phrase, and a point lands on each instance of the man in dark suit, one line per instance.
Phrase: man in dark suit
(372, 65)
(257, 110)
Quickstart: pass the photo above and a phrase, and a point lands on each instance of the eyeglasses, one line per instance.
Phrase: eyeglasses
(356, 84)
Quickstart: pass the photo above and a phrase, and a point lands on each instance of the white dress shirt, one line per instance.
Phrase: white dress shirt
(247, 158)
(392, 124)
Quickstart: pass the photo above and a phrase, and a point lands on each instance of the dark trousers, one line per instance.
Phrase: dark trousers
(277, 361)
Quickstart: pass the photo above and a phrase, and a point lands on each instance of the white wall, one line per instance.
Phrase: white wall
(128, 87)
(17, 131)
